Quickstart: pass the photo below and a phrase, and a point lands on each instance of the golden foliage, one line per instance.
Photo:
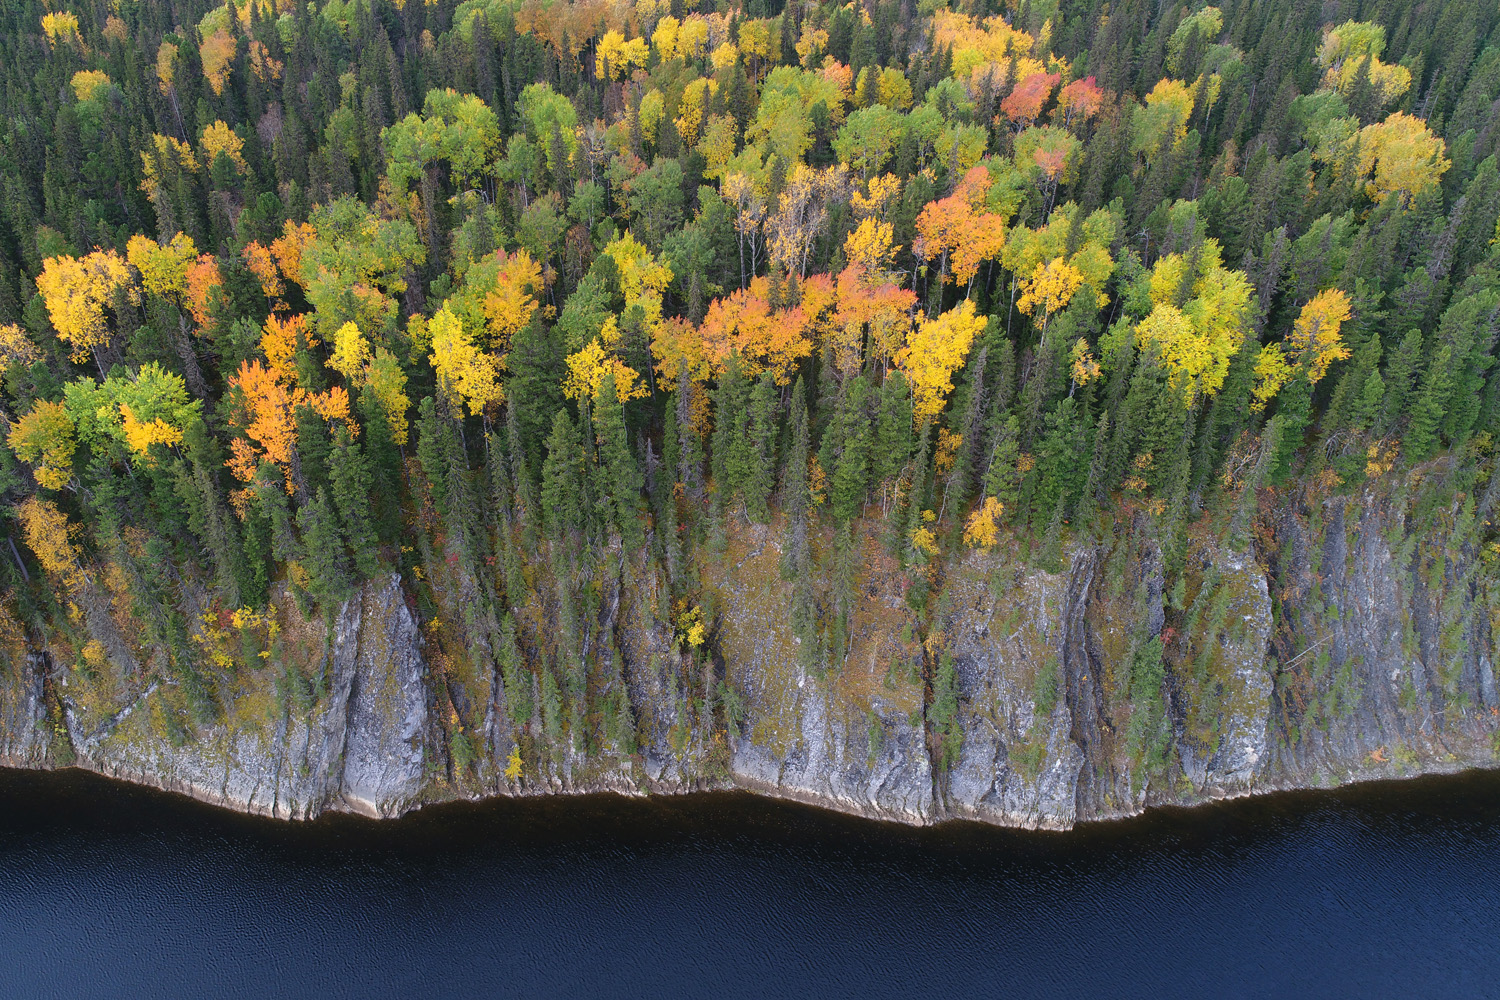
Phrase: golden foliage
(1271, 373)
(166, 58)
(220, 138)
(467, 375)
(16, 347)
(934, 350)
(49, 535)
(77, 291)
(1050, 286)
(1084, 368)
(141, 435)
(1195, 342)
(88, 82)
(982, 529)
(870, 244)
(1399, 156)
(60, 26)
(217, 52)
(588, 368)
(45, 439)
(1315, 334)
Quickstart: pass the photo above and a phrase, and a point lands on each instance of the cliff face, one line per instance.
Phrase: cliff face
(1338, 647)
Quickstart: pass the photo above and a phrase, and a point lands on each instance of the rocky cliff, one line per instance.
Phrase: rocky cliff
(1342, 643)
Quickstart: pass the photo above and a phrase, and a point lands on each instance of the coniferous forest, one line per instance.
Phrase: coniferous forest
(520, 299)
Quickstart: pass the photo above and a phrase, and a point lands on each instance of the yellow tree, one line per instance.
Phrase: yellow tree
(1315, 336)
(692, 109)
(49, 535)
(934, 350)
(88, 82)
(1049, 288)
(16, 347)
(466, 374)
(220, 138)
(78, 290)
(1354, 47)
(511, 303)
(376, 372)
(588, 368)
(176, 272)
(44, 438)
(982, 529)
(1195, 342)
(1399, 156)
(61, 26)
(1026, 249)
(870, 244)
(642, 277)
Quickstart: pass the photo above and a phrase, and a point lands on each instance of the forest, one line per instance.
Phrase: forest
(512, 297)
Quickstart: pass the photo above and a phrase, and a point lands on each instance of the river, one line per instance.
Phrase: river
(108, 890)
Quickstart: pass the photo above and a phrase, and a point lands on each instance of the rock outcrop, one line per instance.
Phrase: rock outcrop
(1018, 696)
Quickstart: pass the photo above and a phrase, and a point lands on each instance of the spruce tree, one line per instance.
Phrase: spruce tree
(761, 440)
(730, 452)
(329, 580)
(1428, 407)
(893, 433)
(350, 483)
(562, 474)
(620, 476)
(690, 442)
(1400, 377)
(848, 451)
(794, 497)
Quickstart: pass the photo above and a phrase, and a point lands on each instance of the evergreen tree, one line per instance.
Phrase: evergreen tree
(1429, 407)
(731, 450)
(761, 478)
(562, 479)
(329, 579)
(620, 479)
(350, 486)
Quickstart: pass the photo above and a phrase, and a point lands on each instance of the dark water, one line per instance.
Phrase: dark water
(112, 891)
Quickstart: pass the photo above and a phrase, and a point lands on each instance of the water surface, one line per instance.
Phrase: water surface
(108, 890)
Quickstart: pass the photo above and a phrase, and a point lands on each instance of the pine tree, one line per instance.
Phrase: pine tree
(1003, 480)
(502, 493)
(432, 453)
(893, 432)
(1400, 378)
(690, 442)
(664, 494)
(385, 469)
(848, 451)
